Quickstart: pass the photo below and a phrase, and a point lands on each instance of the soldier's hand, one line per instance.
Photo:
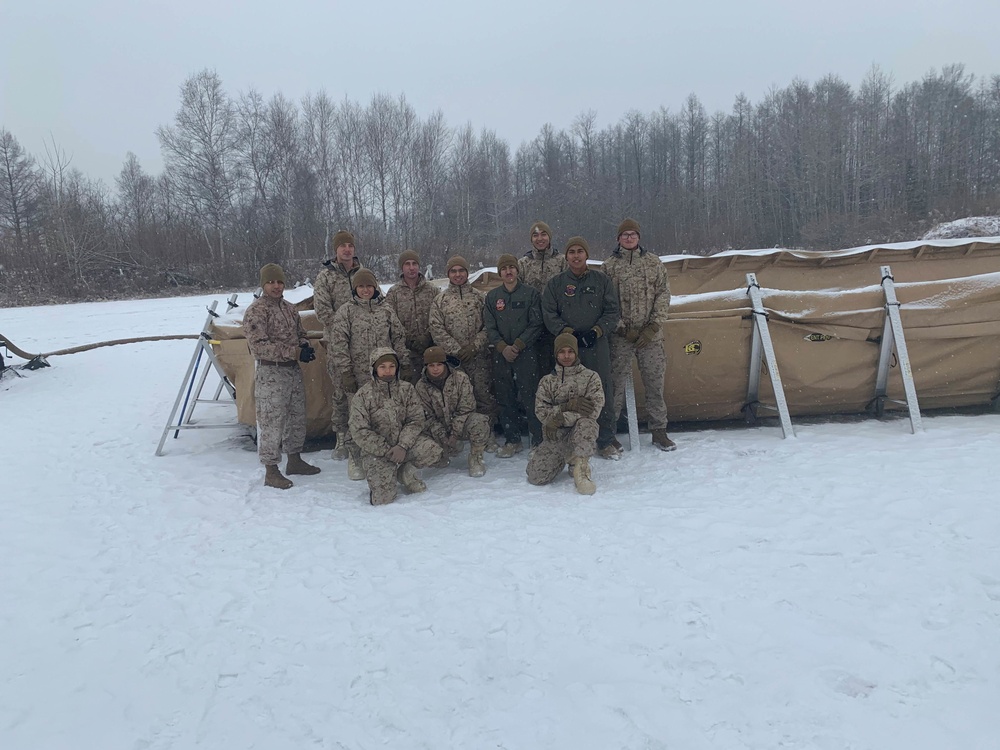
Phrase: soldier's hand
(466, 353)
(424, 340)
(397, 454)
(551, 427)
(509, 352)
(451, 444)
(308, 354)
(348, 382)
(586, 339)
(631, 334)
(580, 404)
(405, 372)
(646, 335)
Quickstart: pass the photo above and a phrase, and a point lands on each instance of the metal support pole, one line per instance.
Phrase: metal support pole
(762, 344)
(894, 338)
(633, 418)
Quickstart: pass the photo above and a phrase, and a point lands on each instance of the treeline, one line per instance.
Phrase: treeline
(250, 179)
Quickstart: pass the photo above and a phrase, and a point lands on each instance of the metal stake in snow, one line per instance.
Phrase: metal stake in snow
(892, 336)
(633, 418)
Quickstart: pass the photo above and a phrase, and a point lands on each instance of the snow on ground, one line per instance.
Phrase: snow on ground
(971, 226)
(837, 590)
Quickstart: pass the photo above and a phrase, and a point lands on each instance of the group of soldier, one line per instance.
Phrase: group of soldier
(419, 370)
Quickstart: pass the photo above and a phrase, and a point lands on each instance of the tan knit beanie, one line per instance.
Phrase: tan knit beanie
(364, 277)
(272, 272)
(628, 225)
(407, 255)
(566, 339)
(540, 226)
(506, 260)
(434, 354)
(343, 237)
(574, 241)
(457, 260)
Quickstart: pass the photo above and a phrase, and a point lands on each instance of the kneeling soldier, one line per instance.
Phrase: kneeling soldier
(386, 422)
(450, 410)
(278, 342)
(567, 404)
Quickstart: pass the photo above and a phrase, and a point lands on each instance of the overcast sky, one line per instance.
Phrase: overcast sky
(98, 77)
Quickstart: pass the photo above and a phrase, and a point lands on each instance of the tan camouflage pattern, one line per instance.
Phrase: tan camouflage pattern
(281, 412)
(652, 360)
(451, 410)
(643, 288)
(536, 267)
(413, 308)
(332, 289)
(273, 330)
(359, 328)
(383, 475)
(456, 320)
(578, 435)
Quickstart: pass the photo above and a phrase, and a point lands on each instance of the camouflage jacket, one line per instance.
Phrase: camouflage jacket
(359, 328)
(456, 318)
(564, 383)
(384, 415)
(643, 288)
(446, 409)
(536, 267)
(413, 308)
(580, 302)
(331, 290)
(273, 329)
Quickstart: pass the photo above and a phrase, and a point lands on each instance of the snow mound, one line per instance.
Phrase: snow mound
(971, 226)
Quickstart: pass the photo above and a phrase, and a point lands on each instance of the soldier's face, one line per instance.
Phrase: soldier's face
(508, 274)
(365, 291)
(411, 270)
(386, 370)
(540, 240)
(576, 257)
(629, 240)
(566, 357)
(435, 369)
(274, 289)
(345, 253)
(458, 275)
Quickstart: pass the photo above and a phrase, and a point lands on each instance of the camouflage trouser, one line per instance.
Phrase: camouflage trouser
(516, 383)
(381, 472)
(281, 412)
(549, 458)
(478, 370)
(476, 430)
(652, 367)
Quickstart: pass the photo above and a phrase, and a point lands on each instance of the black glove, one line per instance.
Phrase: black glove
(586, 339)
(308, 354)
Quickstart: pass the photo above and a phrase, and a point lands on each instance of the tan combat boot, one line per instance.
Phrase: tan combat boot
(355, 469)
(581, 476)
(274, 478)
(296, 465)
(408, 476)
(509, 449)
(340, 452)
(477, 465)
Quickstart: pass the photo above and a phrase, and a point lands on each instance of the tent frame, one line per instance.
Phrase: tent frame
(762, 351)
(894, 340)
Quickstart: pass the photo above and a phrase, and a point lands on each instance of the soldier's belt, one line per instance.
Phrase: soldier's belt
(270, 363)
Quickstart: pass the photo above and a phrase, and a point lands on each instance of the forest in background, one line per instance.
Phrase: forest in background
(251, 179)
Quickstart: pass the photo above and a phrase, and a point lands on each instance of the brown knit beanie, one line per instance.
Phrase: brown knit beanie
(272, 272)
(364, 277)
(434, 354)
(540, 226)
(457, 260)
(389, 357)
(628, 225)
(343, 237)
(573, 241)
(566, 339)
(407, 255)
(506, 260)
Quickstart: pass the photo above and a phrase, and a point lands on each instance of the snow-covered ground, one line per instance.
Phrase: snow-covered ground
(837, 590)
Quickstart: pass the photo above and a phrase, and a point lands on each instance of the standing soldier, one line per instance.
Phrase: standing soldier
(410, 298)
(513, 316)
(387, 421)
(359, 327)
(568, 402)
(331, 290)
(450, 410)
(644, 296)
(278, 342)
(584, 302)
(535, 269)
(456, 323)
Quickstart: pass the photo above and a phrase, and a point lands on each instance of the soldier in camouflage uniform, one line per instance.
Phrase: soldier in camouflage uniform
(583, 301)
(360, 327)
(535, 268)
(410, 298)
(644, 298)
(456, 323)
(387, 421)
(278, 342)
(513, 316)
(331, 290)
(450, 410)
(568, 403)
